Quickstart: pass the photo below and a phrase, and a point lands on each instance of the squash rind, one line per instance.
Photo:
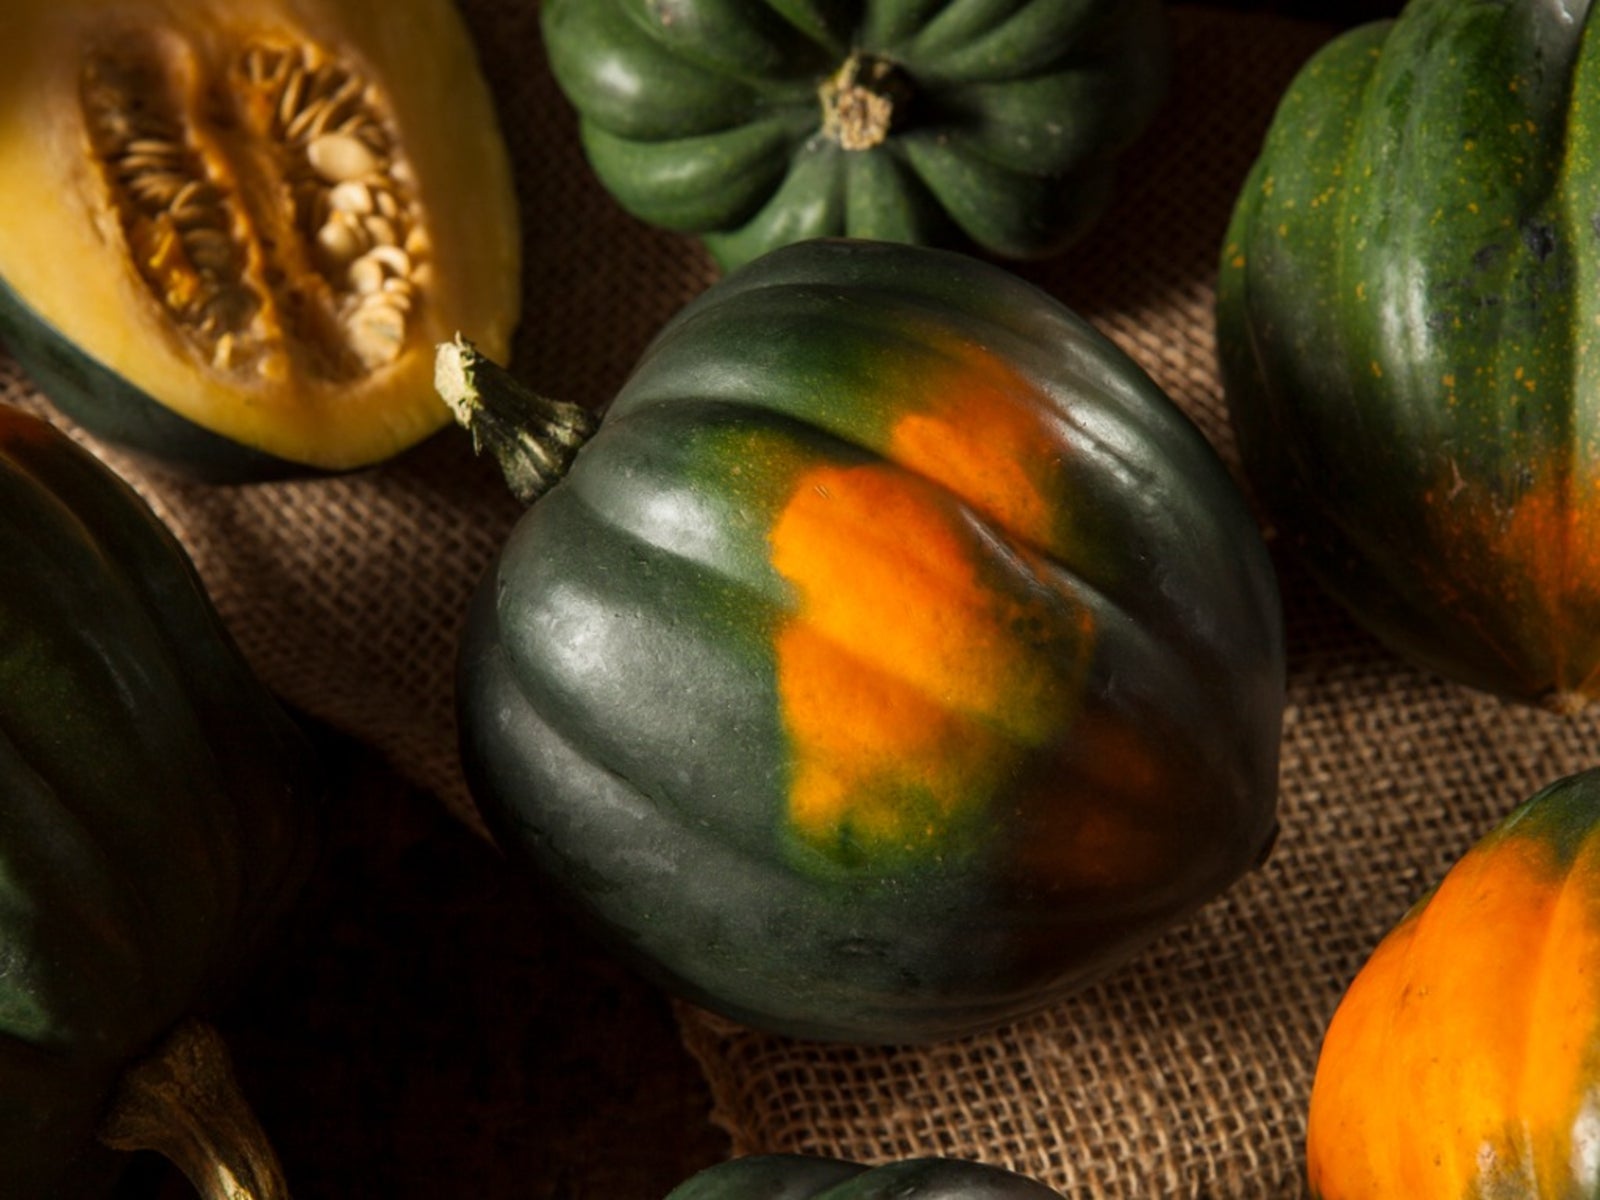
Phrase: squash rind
(103, 401)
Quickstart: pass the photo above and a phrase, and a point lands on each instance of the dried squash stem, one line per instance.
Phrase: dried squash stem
(534, 438)
(184, 1103)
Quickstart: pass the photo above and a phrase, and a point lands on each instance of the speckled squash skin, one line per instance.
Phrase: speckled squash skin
(1407, 311)
(156, 817)
(707, 116)
(802, 1177)
(1464, 1059)
(894, 660)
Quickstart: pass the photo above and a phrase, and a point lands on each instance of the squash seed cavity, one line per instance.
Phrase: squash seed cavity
(263, 199)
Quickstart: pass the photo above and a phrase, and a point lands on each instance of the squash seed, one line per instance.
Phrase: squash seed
(320, 107)
(342, 239)
(393, 258)
(209, 250)
(380, 229)
(227, 252)
(399, 291)
(339, 157)
(366, 275)
(351, 197)
(289, 99)
(377, 332)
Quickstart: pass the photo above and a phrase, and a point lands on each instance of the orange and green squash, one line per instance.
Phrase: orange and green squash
(988, 123)
(235, 229)
(1407, 316)
(893, 659)
(1463, 1062)
(156, 821)
(805, 1177)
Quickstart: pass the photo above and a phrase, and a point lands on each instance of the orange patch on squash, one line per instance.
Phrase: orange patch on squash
(924, 660)
(1536, 558)
(995, 480)
(1095, 825)
(1554, 537)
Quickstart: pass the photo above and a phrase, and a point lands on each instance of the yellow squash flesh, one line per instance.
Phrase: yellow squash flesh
(279, 126)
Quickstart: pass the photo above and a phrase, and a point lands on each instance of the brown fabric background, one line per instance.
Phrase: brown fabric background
(1186, 1075)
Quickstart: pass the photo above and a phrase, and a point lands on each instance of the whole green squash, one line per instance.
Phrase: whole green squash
(1407, 309)
(895, 658)
(156, 814)
(761, 122)
(804, 1177)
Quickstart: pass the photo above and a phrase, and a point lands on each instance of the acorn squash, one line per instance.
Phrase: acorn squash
(804, 1177)
(992, 123)
(1406, 314)
(894, 659)
(235, 229)
(1464, 1059)
(156, 821)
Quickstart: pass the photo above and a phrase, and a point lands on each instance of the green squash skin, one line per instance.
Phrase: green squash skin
(158, 811)
(1560, 820)
(622, 694)
(108, 406)
(803, 1177)
(704, 116)
(1406, 318)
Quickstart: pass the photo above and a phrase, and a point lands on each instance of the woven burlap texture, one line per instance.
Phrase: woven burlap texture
(1185, 1075)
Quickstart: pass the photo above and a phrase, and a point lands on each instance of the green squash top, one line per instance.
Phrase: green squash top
(986, 122)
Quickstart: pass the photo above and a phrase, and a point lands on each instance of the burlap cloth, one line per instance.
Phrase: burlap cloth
(1187, 1073)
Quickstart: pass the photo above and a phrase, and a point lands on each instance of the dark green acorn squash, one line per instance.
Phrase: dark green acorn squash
(763, 122)
(894, 659)
(155, 824)
(803, 1177)
(1407, 314)
(234, 230)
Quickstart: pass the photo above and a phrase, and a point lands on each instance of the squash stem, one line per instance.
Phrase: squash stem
(859, 102)
(182, 1101)
(534, 438)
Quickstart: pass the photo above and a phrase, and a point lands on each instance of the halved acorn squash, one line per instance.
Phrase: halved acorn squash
(234, 230)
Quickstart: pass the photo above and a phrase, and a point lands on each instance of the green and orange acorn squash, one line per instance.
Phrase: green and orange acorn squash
(755, 123)
(1464, 1059)
(894, 659)
(156, 821)
(234, 230)
(1408, 312)
(804, 1177)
